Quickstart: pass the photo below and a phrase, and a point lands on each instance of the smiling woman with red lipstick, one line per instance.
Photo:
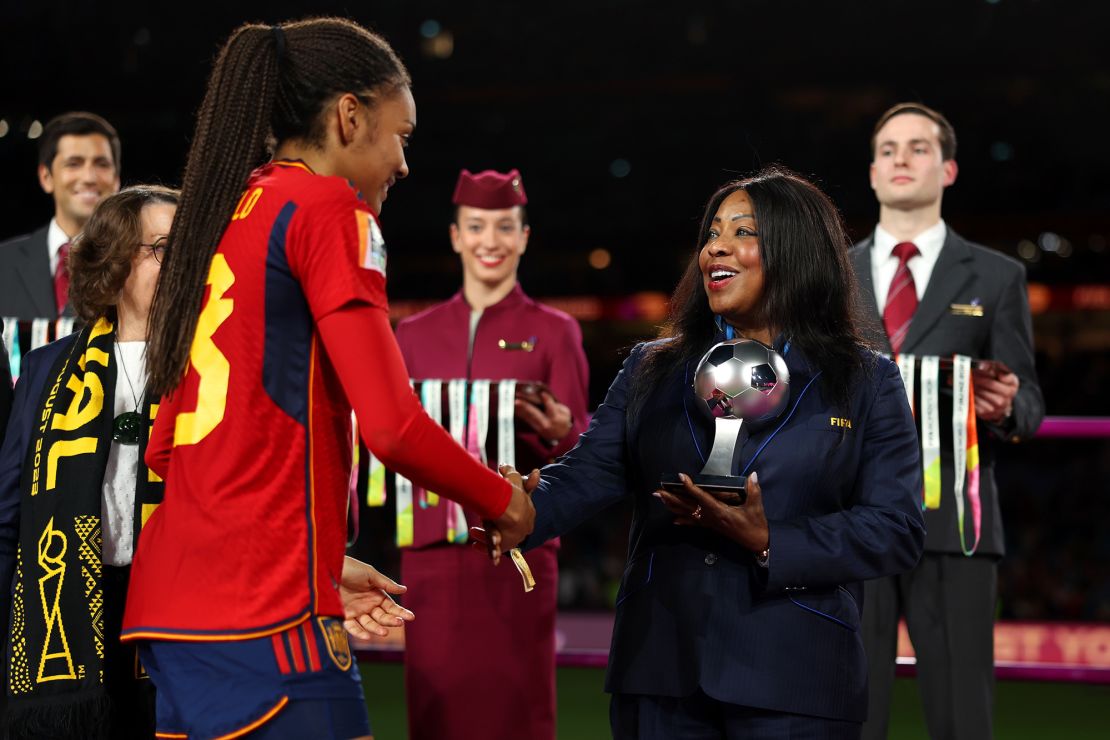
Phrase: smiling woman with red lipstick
(732, 268)
(744, 620)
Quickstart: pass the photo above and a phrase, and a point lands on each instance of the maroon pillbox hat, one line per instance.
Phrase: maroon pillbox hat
(490, 190)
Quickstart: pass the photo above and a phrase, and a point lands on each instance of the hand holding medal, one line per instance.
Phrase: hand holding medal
(494, 534)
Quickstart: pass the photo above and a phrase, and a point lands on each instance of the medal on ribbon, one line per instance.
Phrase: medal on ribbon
(479, 412)
(965, 449)
(403, 492)
(506, 455)
(432, 399)
(506, 412)
(375, 481)
(930, 429)
(457, 530)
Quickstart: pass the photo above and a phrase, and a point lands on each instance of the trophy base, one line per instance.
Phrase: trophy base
(709, 483)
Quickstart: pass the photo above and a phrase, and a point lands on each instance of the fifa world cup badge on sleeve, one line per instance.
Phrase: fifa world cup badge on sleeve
(371, 243)
(735, 380)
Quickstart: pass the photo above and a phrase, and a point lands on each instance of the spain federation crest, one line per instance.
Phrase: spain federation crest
(335, 637)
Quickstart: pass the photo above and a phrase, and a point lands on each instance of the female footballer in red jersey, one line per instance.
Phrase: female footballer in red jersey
(269, 325)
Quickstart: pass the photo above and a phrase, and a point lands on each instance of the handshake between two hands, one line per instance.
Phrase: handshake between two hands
(367, 594)
(509, 530)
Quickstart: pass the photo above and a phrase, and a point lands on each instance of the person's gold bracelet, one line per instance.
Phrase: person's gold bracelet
(522, 566)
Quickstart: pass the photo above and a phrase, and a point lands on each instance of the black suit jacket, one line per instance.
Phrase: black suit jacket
(26, 281)
(5, 389)
(694, 609)
(967, 273)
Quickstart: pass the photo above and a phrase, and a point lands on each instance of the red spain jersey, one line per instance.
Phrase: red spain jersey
(250, 538)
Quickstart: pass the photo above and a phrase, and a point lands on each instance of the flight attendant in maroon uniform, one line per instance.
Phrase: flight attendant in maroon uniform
(471, 614)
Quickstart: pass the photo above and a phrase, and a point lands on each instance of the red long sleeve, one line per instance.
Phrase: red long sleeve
(160, 444)
(393, 424)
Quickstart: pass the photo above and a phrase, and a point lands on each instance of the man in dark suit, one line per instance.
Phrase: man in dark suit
(942, 295)
(79, 156)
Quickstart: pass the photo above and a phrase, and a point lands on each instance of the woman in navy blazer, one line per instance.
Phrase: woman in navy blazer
(743, 621)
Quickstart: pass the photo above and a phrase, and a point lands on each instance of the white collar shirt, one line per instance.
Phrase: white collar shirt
(55, 238)
(884, 264)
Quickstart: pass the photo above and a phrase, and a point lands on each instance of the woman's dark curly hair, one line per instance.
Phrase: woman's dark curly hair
(100, 259)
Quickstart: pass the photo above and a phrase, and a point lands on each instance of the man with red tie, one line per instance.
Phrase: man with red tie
(470, 614)
(79, 155)
(936, 294)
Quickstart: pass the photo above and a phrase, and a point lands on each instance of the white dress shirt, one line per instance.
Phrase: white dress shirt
(117, 504)
(884, 264)
(55, 238)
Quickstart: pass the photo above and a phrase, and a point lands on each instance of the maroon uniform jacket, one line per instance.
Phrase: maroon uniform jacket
(469, 612)
(434, 345)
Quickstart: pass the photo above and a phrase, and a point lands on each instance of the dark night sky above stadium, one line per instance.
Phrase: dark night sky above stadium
(624, 116)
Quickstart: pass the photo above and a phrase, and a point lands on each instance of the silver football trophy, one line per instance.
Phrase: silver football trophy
(736, 379)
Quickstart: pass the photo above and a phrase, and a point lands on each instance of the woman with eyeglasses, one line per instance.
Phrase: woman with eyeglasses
(72, 462)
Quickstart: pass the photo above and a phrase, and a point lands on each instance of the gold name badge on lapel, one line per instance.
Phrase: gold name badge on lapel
(525, 346)
(837, 421)
(965, 309)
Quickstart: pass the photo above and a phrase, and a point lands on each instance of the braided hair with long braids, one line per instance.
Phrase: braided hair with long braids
(269, 84)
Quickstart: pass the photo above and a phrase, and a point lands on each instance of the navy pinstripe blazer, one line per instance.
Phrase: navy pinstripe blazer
(694, 609)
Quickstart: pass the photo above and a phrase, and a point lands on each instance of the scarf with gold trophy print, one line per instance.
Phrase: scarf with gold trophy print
(57, 645)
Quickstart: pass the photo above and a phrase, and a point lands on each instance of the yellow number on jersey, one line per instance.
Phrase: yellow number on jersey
(246, 204)
(211, 365)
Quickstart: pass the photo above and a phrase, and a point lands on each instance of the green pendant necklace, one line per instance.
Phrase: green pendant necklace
(127, 426)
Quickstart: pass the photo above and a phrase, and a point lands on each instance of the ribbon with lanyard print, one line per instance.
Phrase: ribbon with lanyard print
(40, 333)
(965, 450)
(430, 393)
(403, 492)
(432, 401)
(930, 429)
(11, 341)
(375, 481)
(63, 327)
(457, 530)
(506, 455)
(506, 413)
(965, 437)
(479, 412)
(905, 369)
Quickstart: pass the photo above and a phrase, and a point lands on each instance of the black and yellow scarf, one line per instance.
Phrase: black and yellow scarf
(56, 645)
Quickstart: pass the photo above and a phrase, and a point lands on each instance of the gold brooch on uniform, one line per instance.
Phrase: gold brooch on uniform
(526, 346)
(966, 309)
